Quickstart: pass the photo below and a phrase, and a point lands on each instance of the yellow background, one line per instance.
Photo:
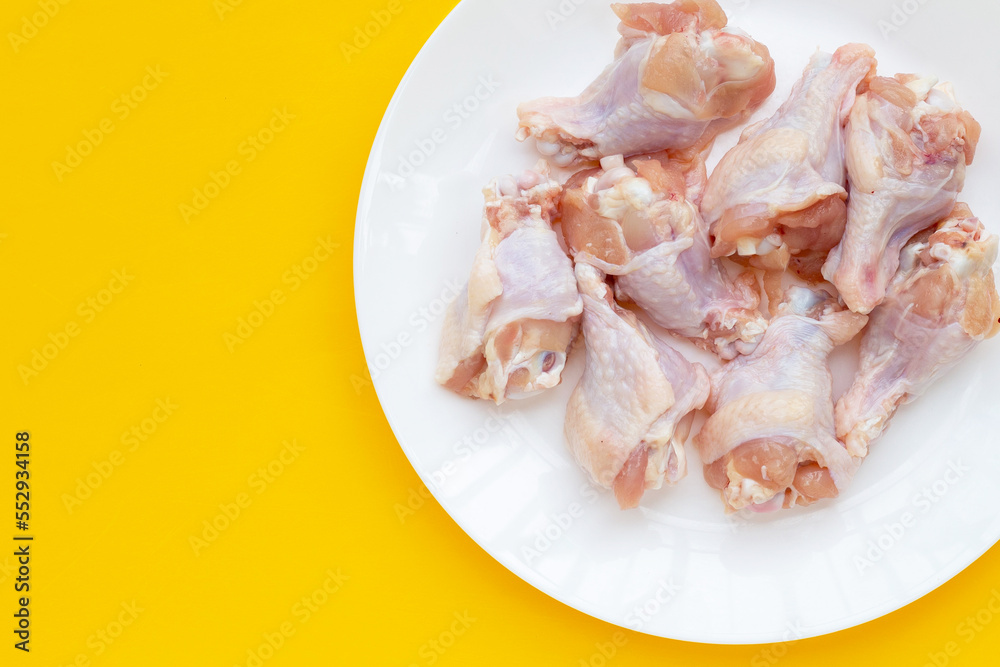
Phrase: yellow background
(335, 505)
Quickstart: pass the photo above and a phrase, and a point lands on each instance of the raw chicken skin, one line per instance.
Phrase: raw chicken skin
(678, 78)
(941, 304)
(908, 143)
(630, 414)
(509, 332)
(641, 224)
(781, 190)
(770, 440)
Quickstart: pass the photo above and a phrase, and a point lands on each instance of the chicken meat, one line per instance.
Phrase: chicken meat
(631, 413)
(780, 192)
(940, 305)
(679, 77)
(908, 144)
(509, 332)
(770, 441)
(640, 223)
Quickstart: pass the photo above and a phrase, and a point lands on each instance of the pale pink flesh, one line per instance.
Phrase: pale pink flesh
(521, 304)
(786, 175)
(906, 159)
(678, 79)
(772, 410)
(818, 227)
(630, 483)
(715, 475)
(813, 482)
(660, 252)
(940, 305)
(677, 16)
(770, 464)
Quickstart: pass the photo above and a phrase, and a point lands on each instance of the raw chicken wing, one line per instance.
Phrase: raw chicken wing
(641, 224)
(770, 440)
(630, 414)
(678, 78)
(509, 332)
(941, 304)
(781, 190)
(908, 143)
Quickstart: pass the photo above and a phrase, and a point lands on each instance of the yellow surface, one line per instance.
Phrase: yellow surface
(158, 385)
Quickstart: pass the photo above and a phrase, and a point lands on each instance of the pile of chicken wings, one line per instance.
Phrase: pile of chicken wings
(851, 188)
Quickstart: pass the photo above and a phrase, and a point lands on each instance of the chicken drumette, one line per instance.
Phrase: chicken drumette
(908, 143)
(509, 332)
(770, 441)
(679, 77)
(630, 414)
(640, 222)
(940, 305)
(781, 191)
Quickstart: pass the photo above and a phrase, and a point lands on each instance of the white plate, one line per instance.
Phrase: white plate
(922, 508)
